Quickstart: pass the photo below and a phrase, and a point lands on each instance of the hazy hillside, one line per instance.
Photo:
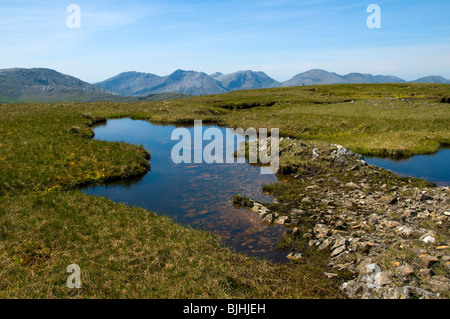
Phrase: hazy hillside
(316, 77)
(128, 83)
(45, 85)
(246, 80)
(142, 84)
(187, 82)
(216, 74)
(369, 78)
(313, 77)
(48, 86)
(433, 79)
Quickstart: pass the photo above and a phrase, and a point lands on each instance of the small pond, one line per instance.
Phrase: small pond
(199, 195)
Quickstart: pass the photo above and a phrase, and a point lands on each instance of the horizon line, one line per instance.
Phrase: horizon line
(192, 70)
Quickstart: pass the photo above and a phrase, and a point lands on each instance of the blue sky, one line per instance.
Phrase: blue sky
(281, 38)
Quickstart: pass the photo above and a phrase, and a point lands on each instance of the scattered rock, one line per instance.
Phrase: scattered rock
(427, 261)
(294, 256)
(405, 270)
(338, 251)
(370, 229)
(429, 239)
(352, 185)
(391, 200)
(281, 220)
(315, 153)
(268, 220)
(321, 230)
(383, 278)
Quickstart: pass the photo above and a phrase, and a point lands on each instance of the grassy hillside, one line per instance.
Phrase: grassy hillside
(46, 224)
(372, 119)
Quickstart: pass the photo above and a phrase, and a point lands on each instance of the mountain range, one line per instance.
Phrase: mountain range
(46, 85)
(199, 83)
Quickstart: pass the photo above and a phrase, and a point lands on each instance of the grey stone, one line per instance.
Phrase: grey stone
(427, 261)
(338, 251)
(383, 278)
(429, 239)
(294, 256)
(405, 270)
(268, 220)
(281, 220)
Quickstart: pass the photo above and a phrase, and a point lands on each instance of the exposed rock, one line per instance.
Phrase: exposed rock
(268, 220)
(383, 278)
(315, 153)
(427, 261)
(439, 283)
(292, 223)
(405, 270)
(429, 239)
(321, 230)
(338, 251)
(281, 220)
(294, 256)
(391, 200)
(343, 155)
(392, 240)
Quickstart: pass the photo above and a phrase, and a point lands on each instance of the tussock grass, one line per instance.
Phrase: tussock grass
(126, 252)
(397, 120)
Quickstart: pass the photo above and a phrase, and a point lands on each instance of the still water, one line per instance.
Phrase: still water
(434, 168)
(199, 195)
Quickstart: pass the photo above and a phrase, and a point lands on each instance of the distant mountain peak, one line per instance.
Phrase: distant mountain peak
(216, 74)
(433, 79)
(47, 85)
(315, 76)
(246, 80)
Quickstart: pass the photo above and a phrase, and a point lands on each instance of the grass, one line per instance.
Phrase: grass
(396, 120)
(126, 252)
(46, 224)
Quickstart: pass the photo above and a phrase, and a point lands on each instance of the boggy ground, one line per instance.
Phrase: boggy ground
(46, 223)
(385, 236)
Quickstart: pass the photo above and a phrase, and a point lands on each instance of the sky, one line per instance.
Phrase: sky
(281, 38)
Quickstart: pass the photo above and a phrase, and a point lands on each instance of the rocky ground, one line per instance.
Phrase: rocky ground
(387, 236)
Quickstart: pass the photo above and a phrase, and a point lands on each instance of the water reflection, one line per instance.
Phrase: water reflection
(199, 195)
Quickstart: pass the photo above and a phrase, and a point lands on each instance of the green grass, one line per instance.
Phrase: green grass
(126, 252)
(46, 224)
(373, 119)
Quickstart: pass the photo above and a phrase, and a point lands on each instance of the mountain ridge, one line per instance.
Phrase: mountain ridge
(248, 79)
(46, 85)
(20, 85)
